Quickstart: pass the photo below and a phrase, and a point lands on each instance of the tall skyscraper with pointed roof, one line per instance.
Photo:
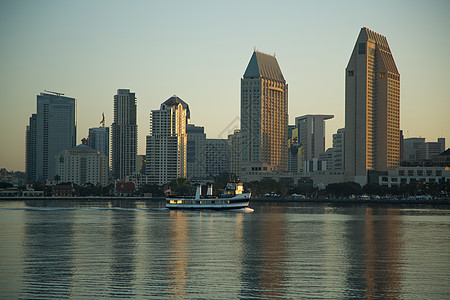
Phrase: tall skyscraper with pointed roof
(264, 115)
(372, 107)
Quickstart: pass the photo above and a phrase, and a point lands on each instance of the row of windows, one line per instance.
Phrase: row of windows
(420, 172)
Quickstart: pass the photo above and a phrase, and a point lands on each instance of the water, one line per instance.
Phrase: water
(136, 249)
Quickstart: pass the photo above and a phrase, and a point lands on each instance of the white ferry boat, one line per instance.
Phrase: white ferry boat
(233, 197)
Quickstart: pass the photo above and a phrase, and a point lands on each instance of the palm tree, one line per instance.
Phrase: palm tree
(181, 186)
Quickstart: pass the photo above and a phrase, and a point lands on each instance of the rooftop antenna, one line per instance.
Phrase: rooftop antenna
(56, 93)
(103, 120)
(254, 48)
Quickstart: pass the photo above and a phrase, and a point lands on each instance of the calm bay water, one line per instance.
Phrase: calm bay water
(138, 249)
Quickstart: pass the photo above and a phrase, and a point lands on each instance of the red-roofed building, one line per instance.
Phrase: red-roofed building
(63, 190)
(124, 188)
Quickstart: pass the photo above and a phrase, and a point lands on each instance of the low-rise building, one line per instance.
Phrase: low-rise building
(82, 165)
(406, 175)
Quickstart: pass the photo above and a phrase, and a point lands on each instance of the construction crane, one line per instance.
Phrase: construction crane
(56, 93)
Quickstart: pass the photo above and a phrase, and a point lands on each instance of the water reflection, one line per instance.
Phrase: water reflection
(123, 246)
(382, 244)
(263, 256)
(48, 253)
(179, 251)
(296, 251)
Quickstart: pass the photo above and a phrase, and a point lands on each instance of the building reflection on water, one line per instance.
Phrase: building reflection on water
(48, 256)
(123, 246)
(263, 269)
(179, 251)
(276, 252)
(382, 248)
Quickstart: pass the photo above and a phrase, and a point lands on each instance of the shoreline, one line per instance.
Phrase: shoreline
(439, 201)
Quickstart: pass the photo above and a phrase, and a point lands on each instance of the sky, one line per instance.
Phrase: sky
(199, 50)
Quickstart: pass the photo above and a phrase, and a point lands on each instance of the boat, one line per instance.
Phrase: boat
(233, 197)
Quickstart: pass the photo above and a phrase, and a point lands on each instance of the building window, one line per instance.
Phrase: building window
(362, 48)
(350, 73)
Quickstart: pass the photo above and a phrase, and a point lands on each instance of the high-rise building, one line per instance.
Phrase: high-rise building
(99, 140)
(311, 134)
(141, 161)
(167, 142)
(295, 151)
(234, 153)
(372, 108)
(82, 165)
(124, 135)
(196, 152)
(51, 130)
(338, 149)
(217, 161)
(30, 151)
(264, 115)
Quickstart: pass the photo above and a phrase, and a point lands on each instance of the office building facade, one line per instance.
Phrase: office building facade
(30, 150)
(234, 153)
(196, 152)
(124, 135)
(264, 115)
(99, 140)
(217, 161)
(416, 149)
(311, 134)
(338, 149)
(51, 130)
(372, 108)
(167, 143)
(295, 151)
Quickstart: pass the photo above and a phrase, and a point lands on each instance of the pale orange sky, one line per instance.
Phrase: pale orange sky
(199, 50)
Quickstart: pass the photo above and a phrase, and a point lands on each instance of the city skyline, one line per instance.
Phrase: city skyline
(83, 52)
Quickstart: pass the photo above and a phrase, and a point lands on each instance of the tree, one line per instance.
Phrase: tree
(221, 180)
(344, 189)
(374, 189)
(5, 185)
(57, 178)
(154, 189)
(181, 186)
(302, 189)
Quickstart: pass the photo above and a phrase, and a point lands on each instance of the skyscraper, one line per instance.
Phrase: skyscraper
(51, 130)
(372, 108)
(196, 152)
(124, 135)
(234, 156)
(338, 149)
(264, 115)
(167, 142)
(30, 151)
(311, 134)
(217, 161)
(99, 140)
